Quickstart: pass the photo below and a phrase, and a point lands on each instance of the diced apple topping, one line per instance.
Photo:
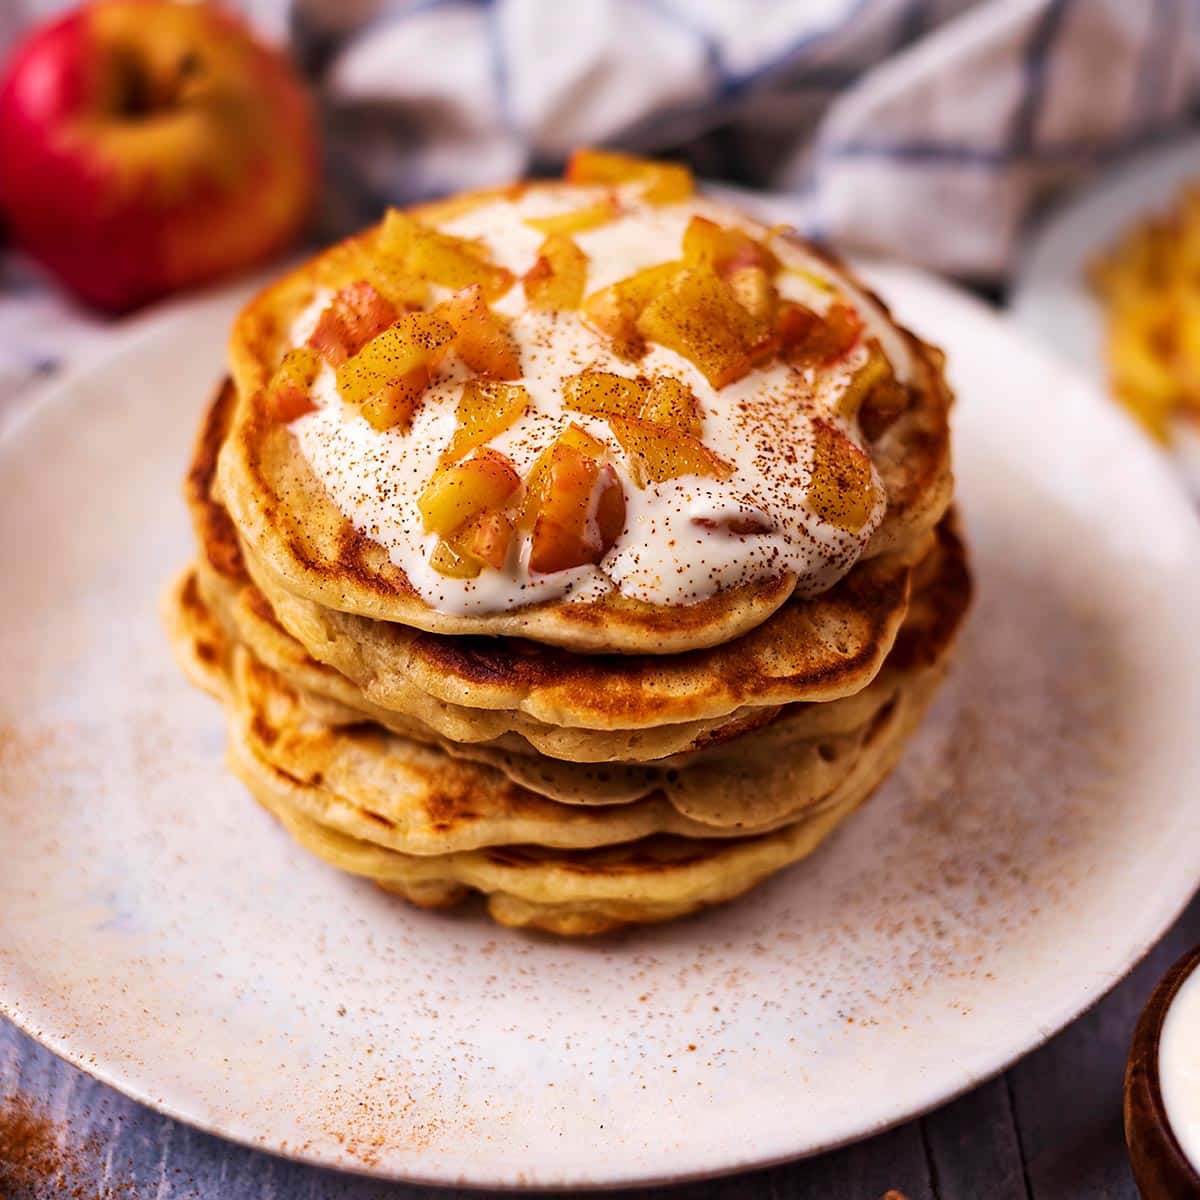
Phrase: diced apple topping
(395, 403)
(580, 512)
(463, 491)
(610, 508)
(352, 261)
(486, 409)
(614, 310)
(663, 183)
(445, 560)
(699, 317)
(355, 315)
(591, 216)
(723, 250)
(576, 438)
(658, 452)
(670, 402)
(428, 254)
(874, 371)
(487, 538)
(388, 376)
(391, 280)
(288, 392)
(809, 339)
(603, 394)
(579, 439)
(842, 488)
(482, 338)
(883, 404)
(557, 279)
(756, 293)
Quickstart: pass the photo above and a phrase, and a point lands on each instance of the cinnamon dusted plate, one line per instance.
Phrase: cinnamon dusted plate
(162, 933)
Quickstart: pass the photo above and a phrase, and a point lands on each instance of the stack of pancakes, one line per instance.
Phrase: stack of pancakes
(582, 765)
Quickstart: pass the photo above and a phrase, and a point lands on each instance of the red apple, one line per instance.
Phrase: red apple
(147, 145)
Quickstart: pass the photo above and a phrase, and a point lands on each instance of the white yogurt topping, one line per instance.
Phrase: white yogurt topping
(1179, 1067)
(762, 424)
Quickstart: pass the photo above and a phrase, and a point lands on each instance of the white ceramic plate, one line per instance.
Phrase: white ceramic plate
(1050, 297)
(157, 929)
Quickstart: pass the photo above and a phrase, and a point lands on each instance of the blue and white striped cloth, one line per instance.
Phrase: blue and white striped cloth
(925, 129)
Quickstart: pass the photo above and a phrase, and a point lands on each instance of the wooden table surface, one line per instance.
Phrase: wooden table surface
(1048, 1129)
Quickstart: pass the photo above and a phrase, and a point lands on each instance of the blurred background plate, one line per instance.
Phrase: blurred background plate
(159, 931)
(1050, 298)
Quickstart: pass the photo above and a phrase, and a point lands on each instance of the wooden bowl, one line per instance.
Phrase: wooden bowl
(1160, 1167)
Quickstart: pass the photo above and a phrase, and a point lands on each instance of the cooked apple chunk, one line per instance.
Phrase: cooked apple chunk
(723, 250)
(610, 508)
(357, 260)
(580, 512)
(388, 375)
(459, 493)
(658, 452)
(614, 310)
(354, 315)
(699, 317)
(578, 439)
(669, 401)
(557, 279)
(428, 254)
(486, 539)
(486, 409)
(842, 488)
(663, 183)
(445, 560)
(811, 339)
(577, 220)
(394, 404)
(482, 338)
(756, 293)
(883, 405)
(873, 372)
(603, 394)
(288, 395)
(392, 281)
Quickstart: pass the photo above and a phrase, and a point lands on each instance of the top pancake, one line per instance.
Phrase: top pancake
(819, 649)
(301, 538)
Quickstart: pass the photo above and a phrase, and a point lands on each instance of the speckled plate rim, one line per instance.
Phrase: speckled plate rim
(910, 290)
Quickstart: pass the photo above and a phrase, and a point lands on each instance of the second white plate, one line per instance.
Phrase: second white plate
(1050, 297)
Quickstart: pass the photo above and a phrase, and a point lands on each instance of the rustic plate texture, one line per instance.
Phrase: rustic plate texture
(157, 929)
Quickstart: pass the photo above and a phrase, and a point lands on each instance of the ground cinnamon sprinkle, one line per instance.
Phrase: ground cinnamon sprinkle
(38, 1162)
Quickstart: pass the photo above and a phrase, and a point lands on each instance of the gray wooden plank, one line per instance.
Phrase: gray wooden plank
(974, 1147)
(894, 1160)
(1067, 1095)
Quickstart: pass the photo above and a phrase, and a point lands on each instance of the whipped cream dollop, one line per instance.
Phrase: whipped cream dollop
(673, 550)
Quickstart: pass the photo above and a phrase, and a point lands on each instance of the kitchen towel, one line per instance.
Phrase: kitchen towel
(930, 130)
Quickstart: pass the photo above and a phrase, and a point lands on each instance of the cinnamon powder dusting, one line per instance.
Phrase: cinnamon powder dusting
(38, 1160)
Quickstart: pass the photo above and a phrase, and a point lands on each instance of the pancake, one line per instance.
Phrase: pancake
(570, 891)
(755, 783)
(302, 541)
(810, 650)
(477, 689)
